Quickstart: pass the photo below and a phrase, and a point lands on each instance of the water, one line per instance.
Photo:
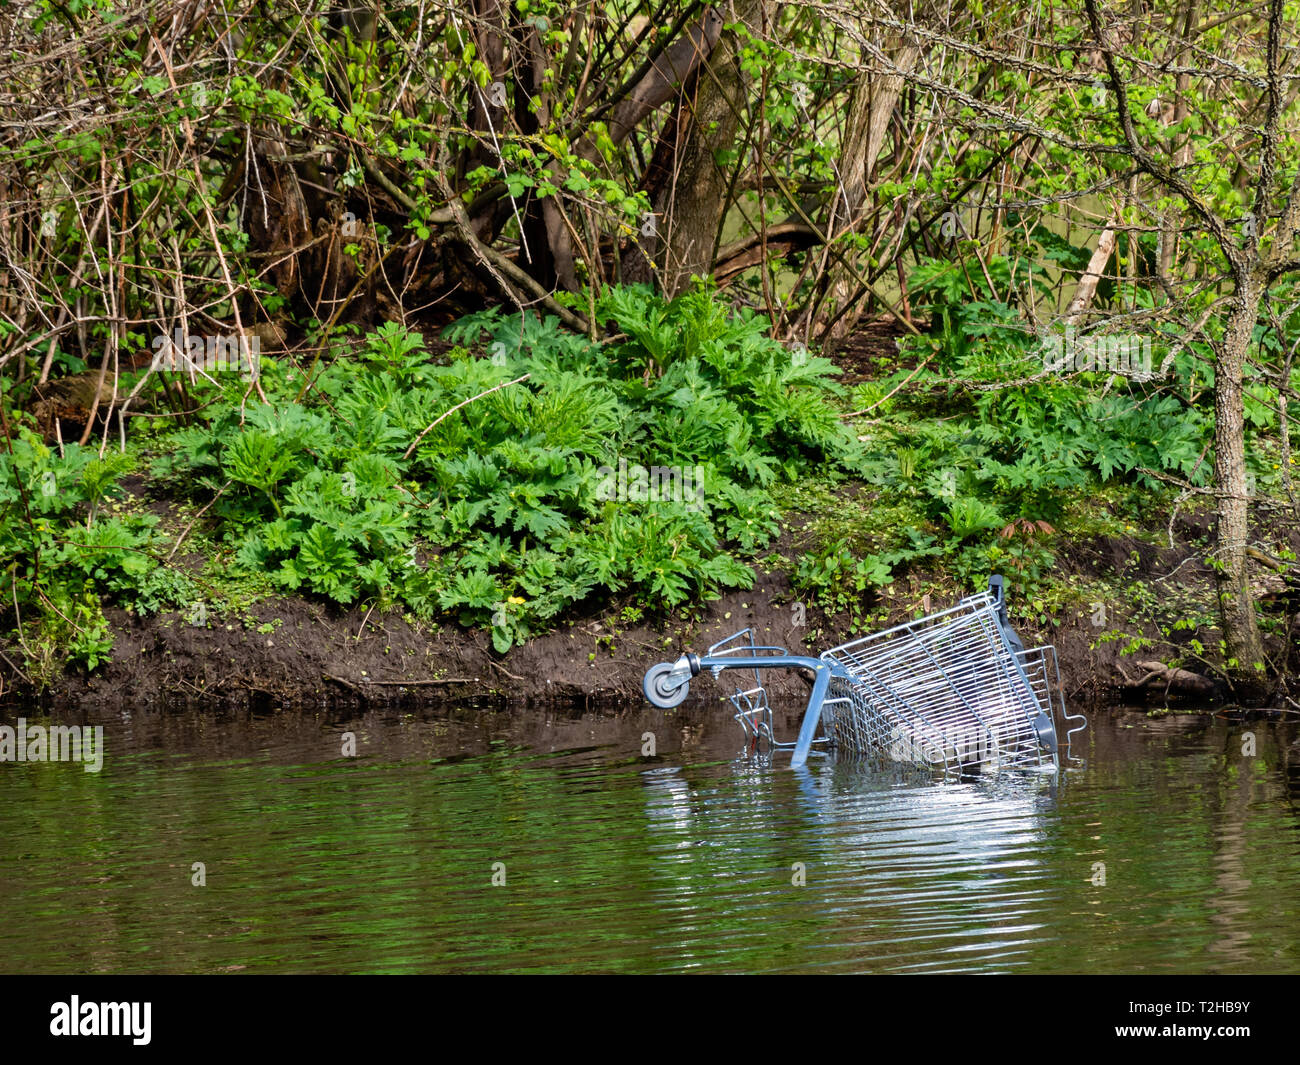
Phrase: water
(613, 862)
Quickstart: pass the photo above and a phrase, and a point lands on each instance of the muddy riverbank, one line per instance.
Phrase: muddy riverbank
(292, 652)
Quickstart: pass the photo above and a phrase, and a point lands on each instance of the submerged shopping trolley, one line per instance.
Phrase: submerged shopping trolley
(950, 691)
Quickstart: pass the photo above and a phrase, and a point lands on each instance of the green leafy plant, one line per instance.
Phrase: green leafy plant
(395, 477)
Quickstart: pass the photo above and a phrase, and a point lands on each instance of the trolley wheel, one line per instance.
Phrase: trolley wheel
(659, 691)
(1046, 732)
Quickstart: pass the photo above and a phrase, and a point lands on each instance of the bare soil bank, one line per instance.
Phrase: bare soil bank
(312, 653)
(296, 653)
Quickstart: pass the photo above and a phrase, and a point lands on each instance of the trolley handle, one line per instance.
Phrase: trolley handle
(721, 648)
(666, 684)
(997, 589)
(776, 651)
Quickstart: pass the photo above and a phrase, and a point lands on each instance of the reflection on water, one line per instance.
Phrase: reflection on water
(696, 859)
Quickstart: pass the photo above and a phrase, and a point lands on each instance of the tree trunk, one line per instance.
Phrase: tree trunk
(1180, 149)
(872, 105)
(691, 206)
(547, 253)
(1236, 603)
(486, 119)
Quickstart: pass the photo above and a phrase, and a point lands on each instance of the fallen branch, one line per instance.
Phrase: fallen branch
(186, 531)
(1265, 559)
(463, 403)
(498, 665)
(1178, 681)
(346, 683)
(783, 240)
(867, 410)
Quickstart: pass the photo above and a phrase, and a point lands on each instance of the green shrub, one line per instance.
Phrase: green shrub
(65, 559)
(505, 512)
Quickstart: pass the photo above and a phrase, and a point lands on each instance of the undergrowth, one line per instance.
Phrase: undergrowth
(640, 467)
(530, 472)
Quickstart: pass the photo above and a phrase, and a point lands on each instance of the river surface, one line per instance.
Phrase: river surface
(471, 839)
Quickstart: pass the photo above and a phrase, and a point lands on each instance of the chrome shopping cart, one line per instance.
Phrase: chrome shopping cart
(949, 691)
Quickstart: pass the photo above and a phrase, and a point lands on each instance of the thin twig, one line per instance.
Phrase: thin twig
(430, 427)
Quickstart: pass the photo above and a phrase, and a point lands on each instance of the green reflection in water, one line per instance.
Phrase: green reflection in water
(691, 861)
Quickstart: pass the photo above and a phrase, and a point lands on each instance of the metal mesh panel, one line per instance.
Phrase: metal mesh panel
(947, 691)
